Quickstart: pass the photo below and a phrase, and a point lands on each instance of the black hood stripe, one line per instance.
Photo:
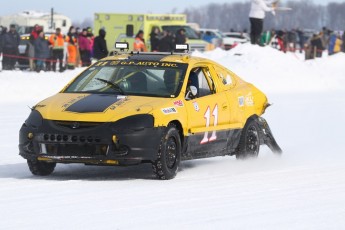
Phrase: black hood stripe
(94, 103)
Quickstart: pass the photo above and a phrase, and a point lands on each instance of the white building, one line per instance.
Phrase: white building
(28, 19)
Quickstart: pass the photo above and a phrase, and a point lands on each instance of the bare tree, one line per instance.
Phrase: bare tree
(305, 14)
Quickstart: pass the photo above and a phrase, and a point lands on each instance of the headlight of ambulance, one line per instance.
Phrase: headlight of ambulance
(35, 119)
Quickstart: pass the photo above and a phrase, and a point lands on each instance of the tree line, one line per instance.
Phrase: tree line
(305, 14)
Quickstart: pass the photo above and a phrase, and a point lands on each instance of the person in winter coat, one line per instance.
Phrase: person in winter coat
(72, 49)
(301, 39)
(85, 46)
(335, 44)
(154, 39)
(42, 51)
(277, 41)
(316, 45)
(31, 49)
(10, 43)
(91, 37)
(57, 41)
(343, 38)
(181, 36)
(166, 44)
(2, 32)
(139, 42)
(256, 18)
(100, 49)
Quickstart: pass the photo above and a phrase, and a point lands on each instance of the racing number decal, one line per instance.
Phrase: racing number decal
(207, 116)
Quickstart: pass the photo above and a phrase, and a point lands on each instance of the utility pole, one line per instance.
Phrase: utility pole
(52, 19)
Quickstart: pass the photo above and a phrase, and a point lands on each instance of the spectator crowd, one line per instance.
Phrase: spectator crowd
(58, 52)
(160, 41)
(312, 43)
(46, 50)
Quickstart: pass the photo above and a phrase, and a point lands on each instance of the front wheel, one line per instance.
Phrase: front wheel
(249, 145)
(41, 168)
(169, 154)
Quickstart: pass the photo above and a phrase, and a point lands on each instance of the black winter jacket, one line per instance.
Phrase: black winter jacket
(100, 49)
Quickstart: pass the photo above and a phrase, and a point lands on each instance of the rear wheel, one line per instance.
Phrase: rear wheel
(41, 168)
(169, 154)
(249, 145)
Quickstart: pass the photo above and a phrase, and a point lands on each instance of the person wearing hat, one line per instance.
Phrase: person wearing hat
(181, 36)
(91, 37)
(85, 46)
(10, 43)
(42, 51)
(72, 48)
(166, 44)
(57, 42)
(139, 42)
(2, 32)
(100, 49)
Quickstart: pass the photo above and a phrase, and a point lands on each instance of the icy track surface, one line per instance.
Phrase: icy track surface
(302, 189)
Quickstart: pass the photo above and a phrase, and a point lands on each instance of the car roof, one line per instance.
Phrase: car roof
(157, 57)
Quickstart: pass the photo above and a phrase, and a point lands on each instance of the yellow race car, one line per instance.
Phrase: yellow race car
(157, 108)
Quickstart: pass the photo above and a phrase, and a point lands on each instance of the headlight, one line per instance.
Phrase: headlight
(136, 122)
(35, 119)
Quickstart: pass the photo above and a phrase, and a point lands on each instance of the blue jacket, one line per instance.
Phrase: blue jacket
(42, 50)
(10, 40)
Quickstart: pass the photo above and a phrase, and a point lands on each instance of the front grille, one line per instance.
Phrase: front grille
(80, 150)
(69, 138)
(77, 124)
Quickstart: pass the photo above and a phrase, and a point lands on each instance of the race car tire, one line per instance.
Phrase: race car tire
(249, 145)
(40, 168)
(168, 159)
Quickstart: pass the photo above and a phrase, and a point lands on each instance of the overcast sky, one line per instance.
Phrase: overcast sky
(81, 9)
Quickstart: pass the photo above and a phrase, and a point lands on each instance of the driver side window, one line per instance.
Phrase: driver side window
(203, 84)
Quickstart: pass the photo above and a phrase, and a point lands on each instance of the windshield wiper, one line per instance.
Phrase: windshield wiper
(112, 84)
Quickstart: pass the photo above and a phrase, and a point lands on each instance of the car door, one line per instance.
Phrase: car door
(208, 116)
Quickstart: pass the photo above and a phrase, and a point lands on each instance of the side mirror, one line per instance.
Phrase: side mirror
(192, 92)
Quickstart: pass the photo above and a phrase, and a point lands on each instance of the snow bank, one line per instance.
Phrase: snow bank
(277, 72)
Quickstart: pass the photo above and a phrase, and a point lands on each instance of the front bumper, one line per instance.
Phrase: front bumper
(92, 143)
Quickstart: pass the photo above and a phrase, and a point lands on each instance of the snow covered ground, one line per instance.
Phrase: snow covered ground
(302, 189)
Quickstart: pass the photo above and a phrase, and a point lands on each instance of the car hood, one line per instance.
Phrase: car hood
(96, 107)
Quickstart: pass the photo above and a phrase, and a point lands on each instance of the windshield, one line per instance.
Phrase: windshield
(156, 79)
(190, 33)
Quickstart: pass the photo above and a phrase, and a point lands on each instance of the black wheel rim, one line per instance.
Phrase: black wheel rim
(171, 152)
(252, 143)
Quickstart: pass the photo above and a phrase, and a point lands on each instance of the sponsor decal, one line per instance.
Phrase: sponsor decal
(139, 63)
(74, 100)
(178, 103)
(39, 106)
(121, 97)
(169, 110)
(249, 100)
(114, 62)
(121, 101)
(241, 101)
(103, 63)
(196, 106)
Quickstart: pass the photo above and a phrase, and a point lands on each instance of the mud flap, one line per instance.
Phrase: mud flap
(267, 136)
